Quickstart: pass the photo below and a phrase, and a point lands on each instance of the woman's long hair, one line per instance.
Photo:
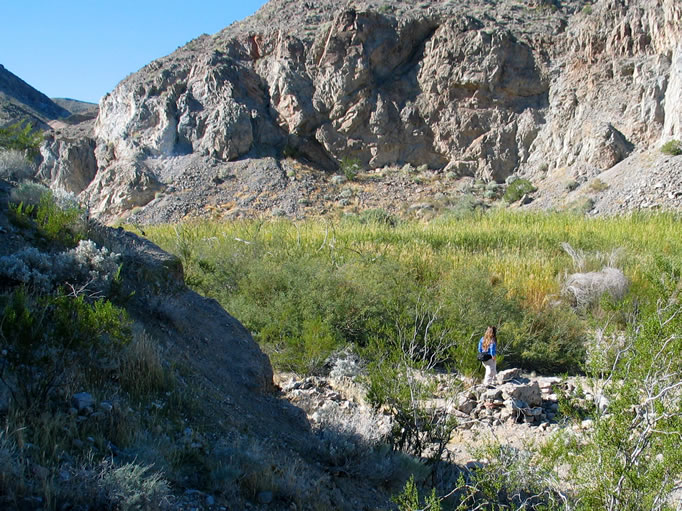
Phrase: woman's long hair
(490, 337)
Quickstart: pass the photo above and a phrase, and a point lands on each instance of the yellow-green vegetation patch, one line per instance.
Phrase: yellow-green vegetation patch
(307, 288)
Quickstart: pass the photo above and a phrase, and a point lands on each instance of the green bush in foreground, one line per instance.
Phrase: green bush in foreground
(46, 337)
(631, 458)
(34, 206)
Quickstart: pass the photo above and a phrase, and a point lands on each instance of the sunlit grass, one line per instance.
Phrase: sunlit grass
(522, 250)
(265, 272)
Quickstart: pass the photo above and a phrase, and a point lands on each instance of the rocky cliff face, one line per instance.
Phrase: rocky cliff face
(547, 89)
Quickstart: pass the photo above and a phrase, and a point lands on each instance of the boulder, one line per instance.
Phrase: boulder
(528, 392)
(82, 401)
(509, 374)
(68, 163)
(466, 405)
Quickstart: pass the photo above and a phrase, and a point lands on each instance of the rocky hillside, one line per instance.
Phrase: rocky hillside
(20, 101)
(557, 91)
(215, 426)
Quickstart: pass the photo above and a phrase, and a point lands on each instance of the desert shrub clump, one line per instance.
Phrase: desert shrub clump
(55, 217)
(15, 166)
(350, 167)
(672, 148)
(22, 137)
(50, 340)
(518, 189)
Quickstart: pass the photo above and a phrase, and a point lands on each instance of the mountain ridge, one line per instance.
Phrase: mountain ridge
(557, 93)
(20, 101)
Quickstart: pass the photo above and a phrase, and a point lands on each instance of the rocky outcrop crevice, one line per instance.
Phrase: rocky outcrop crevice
(68, 163)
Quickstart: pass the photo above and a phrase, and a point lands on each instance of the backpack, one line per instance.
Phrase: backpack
(483, 356)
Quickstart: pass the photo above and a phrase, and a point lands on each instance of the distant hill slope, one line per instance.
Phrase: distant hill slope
(77, 107)
(18, 100)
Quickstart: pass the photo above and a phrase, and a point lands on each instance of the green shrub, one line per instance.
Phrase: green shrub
(350, 167)
(408, 499)
(63, 225)
(597, 185)
(47, 337)
(378, 216)
(518, 189)
(672, 148)
(400, 386)
(22, 137)
(549, 341)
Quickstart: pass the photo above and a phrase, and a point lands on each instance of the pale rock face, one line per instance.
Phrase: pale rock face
(68, 164)
(454, 86)
(672, 128)
(126, 186)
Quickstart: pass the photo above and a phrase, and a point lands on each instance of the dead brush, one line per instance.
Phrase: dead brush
(584, 289)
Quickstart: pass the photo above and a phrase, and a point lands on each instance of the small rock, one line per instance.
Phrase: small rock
(337, 180)
(210, 501)
(466, 405)
(106, 406)
(82, 400)
(509, 374)
(492, 395)
(474, 465)
(265, 497)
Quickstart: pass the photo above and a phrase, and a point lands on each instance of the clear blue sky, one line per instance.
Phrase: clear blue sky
(81, 49)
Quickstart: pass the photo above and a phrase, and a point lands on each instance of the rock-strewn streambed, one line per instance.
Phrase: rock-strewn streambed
(520, 410)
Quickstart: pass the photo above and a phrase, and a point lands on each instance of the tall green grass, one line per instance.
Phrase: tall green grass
(306, 288)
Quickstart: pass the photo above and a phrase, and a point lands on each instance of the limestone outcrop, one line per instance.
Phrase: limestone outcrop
(553, 91)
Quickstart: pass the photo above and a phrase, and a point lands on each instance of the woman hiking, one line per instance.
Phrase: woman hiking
(487, 354)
